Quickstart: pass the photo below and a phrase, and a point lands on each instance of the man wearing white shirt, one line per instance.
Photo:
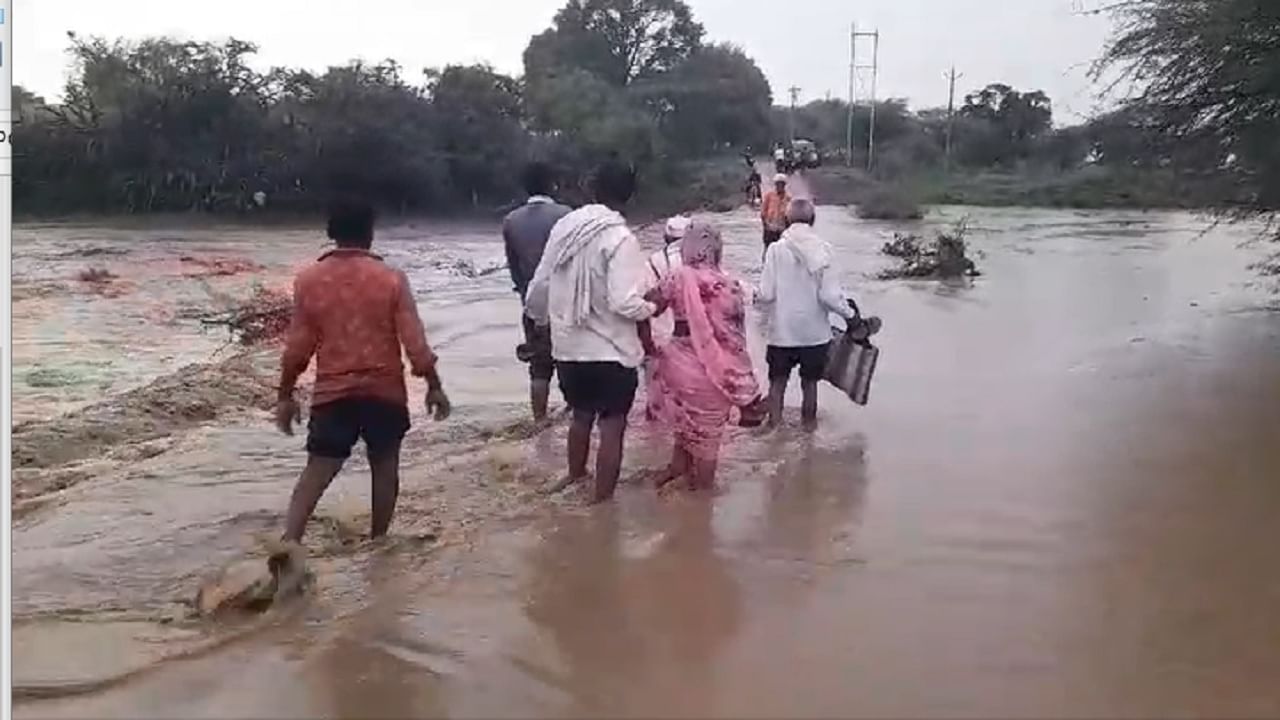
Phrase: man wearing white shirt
(799, 289)
(589, 288)
(663, 262)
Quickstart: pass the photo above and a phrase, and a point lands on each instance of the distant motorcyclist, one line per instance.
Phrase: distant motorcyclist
(752, 187)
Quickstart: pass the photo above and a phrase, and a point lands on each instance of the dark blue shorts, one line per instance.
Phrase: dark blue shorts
(782, 360)
(335, 427)
(604, 389)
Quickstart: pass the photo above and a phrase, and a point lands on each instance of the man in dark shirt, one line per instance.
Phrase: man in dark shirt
(524, 232)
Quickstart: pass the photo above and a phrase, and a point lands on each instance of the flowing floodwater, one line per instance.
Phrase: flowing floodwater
(1060, 500)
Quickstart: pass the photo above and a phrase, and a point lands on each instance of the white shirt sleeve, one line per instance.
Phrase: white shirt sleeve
(832, 294)
(624, 276)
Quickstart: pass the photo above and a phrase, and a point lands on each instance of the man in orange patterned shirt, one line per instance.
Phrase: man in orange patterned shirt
(773, 210)
(353, 313)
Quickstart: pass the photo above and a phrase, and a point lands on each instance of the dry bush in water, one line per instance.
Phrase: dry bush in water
(945, 257)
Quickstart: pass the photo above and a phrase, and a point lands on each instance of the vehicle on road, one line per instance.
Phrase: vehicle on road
(805, 155)
(799, 154)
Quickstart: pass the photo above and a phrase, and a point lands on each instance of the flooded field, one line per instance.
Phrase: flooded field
(1060, 500)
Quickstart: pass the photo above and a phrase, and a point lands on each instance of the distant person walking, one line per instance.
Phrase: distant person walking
(588, 287)
(773, 210)
(800, 289)
(524, 234)
(353, 313)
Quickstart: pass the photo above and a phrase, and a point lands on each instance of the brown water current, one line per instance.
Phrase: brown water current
(1059, 502)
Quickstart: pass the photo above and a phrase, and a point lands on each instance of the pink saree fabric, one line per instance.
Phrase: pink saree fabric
(697, 380)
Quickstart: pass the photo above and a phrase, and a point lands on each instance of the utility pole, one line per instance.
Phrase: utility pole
(854, 67)
(951, 113)
(795, 94)
(875, 72)
(853, 70)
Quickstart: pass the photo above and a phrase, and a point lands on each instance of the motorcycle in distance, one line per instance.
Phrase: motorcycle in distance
(752, 186)
(752, 189)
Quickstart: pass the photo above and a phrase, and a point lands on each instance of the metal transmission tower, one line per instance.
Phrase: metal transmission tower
(791, 117)
(854, 67)
(951, 114)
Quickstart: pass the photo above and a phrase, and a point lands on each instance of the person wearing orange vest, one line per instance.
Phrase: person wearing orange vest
(773, 210)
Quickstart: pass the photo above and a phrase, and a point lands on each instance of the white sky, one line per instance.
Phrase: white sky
(1030, 44)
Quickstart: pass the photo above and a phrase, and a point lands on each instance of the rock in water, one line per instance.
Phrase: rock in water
(254, 585)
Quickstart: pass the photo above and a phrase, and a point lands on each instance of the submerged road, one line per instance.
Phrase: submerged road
(1060, 502)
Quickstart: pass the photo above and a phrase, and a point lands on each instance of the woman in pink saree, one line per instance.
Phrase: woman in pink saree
(704, 372)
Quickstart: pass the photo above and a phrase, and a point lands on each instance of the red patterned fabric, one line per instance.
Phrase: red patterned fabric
(354, 312)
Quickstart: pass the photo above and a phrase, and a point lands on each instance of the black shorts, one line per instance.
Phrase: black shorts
(771, 237)
(607, 389)
(812, 361)
(538, 342)
(335, 427)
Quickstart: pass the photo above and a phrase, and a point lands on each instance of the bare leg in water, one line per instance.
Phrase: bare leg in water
(579, 448)
(679, 466)
(704, 475)
(613, 430)
(384, 472)
(315, 479)
(777, 392)
(539, 392)
(809, 404)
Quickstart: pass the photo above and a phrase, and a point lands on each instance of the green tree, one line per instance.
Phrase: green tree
(1208, 73)
(617, 40)
(717, 97)
(1016, 121)
(362, 128)
(478, 130)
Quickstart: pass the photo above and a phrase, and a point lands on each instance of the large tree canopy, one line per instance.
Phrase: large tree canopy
(1207, 72)
(717, 97)
(1014, 120)
(618, 40)
(165, 125)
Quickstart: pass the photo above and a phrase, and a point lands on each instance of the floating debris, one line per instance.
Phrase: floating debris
(96, 275)
(264, 317)
(217, 267)
(943, 258)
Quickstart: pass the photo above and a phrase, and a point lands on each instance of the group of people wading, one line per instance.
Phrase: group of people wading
(588, 295)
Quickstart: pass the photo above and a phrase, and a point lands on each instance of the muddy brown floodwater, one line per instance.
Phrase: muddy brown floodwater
(1060, 501)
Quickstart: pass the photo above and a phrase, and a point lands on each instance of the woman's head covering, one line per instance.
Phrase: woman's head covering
(676, 227)
(702, 245)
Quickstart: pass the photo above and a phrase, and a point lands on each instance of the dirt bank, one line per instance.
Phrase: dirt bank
(136, 423)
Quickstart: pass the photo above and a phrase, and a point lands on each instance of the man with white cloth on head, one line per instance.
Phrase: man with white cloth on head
(663, 262)
(800, 289)
(589, 286)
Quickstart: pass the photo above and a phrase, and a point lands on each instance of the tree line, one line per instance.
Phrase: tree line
(165, 125)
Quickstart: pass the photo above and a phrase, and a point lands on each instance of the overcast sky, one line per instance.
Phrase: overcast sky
(1040, 44)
